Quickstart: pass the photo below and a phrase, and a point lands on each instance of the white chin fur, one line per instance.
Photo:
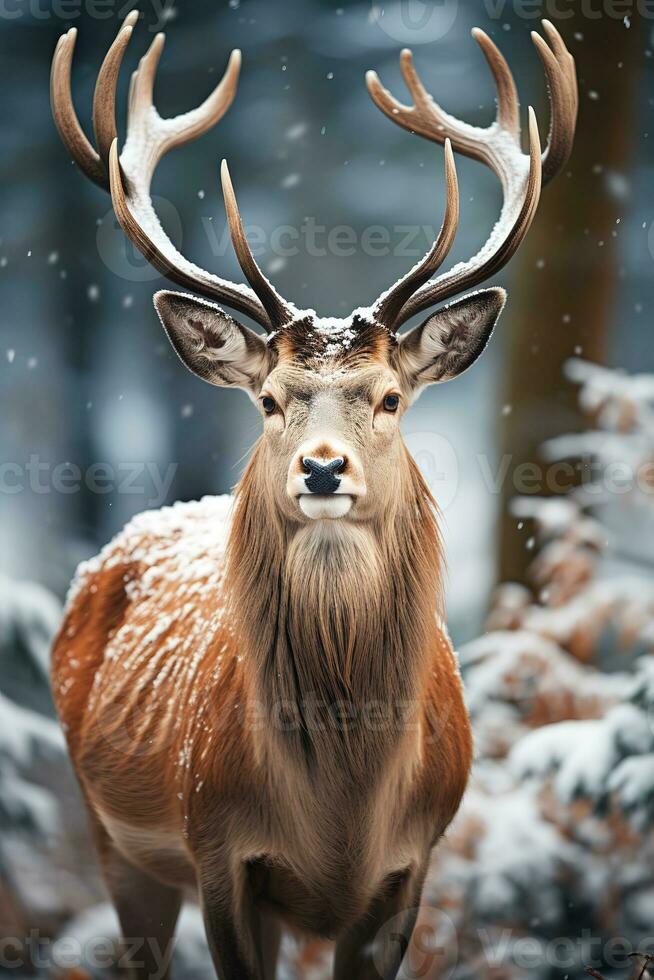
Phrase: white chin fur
(330, 506)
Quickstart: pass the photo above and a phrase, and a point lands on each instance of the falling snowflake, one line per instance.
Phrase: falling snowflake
(296, 131)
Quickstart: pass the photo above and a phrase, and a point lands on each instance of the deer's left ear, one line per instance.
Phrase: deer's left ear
(451, 339)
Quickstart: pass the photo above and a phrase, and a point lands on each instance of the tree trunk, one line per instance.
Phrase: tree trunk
(563, 285)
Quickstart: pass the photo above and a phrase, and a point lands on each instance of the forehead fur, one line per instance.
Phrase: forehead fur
(326, 344)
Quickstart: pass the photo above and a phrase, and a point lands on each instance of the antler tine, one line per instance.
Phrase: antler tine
(197, 121)
(411, 77)
(142, 88)
(387, 103)
(65, 117)
(104, 97)
(499, 248)
(275, 306)
(149, 137)
(424, 117)
(389, 304)
(429, 120)
(508, 109)
(563, 96)
(564, 58)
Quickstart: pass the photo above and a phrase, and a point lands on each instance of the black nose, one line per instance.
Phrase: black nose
(322, 477)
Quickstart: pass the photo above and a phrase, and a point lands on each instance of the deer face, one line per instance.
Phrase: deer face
(331, 394)
(332, 438)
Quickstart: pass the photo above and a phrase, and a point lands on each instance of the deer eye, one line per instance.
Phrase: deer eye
(268, 404)
(391, 403)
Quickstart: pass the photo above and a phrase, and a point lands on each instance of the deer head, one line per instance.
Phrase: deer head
(331, 392)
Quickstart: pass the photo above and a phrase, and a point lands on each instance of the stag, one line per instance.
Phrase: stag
(259, 694)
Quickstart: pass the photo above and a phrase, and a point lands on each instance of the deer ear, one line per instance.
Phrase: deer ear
(211, 343)
(451, 339)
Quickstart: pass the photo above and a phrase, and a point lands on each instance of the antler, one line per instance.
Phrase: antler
(128, 178)
(498, 146)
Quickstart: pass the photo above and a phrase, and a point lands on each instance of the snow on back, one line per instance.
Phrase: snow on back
(168, 647)
(185, 541)
(174, 568)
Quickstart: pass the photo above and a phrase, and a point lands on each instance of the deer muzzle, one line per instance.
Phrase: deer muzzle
(325, 478)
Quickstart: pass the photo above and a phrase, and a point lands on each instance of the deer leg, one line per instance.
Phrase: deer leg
(243, 940)
(147, 910)
(271, 935)
(375, 946)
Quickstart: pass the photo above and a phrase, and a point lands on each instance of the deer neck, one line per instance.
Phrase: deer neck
(335, 619)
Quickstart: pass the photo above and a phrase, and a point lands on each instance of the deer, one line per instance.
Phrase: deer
(260, 697)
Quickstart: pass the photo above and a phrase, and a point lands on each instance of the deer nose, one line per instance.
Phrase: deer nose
(322, 476)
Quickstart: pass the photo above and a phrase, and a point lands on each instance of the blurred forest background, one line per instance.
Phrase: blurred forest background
(88, 379)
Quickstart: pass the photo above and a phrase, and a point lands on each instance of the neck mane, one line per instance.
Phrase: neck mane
(335, 618)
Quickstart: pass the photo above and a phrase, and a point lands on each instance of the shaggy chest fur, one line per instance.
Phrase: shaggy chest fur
(325, 738)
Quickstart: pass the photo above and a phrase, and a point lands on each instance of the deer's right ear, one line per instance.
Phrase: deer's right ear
(211, 343)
